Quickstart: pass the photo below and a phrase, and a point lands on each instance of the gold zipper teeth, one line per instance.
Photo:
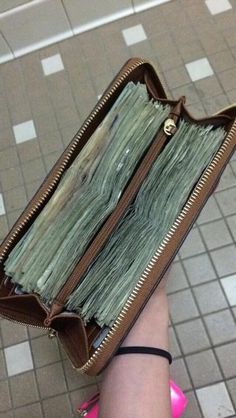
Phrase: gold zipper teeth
(161, 248)
(23, 323)
(67, 157)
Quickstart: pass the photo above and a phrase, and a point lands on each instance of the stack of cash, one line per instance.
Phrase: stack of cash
(109, 281)
(88, 192)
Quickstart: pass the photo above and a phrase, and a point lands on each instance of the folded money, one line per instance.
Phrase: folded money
(104, 289)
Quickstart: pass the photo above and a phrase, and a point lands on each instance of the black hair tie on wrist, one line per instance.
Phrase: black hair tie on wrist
(145, 350)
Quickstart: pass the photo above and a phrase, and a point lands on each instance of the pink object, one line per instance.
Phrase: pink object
(179, 402)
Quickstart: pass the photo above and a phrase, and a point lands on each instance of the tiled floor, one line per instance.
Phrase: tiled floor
(44, 97)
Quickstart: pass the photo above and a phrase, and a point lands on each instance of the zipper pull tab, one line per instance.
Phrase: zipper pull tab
(170, 124)
(52, 333)
(169, 127)
(82, 412)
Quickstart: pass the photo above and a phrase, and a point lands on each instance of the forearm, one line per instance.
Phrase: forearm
(138, 384)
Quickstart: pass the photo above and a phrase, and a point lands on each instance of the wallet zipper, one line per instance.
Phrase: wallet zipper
(166, 240)
(51, 332)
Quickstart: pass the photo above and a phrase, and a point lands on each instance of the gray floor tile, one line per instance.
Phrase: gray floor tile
(227, 358)
(192, 336)
(23, 389)
(12, 333)
(57, 407)
(5, 401)
(221, 326)
(15, 198)
(33, 170)
(199, 269)
(177, 77)
(192, 245)
(29, 150)
(51, 380)
(51, 142)
(36, 332)
(51, 159)
(225, 260)
(182, 306)
(203, 368)
(216, 234)
(222, 60)
(210, 211)
(11, 178)
(3, 372)
(8, 414)
(210, 297)
(45, 350)
(227, 201)
(176, 278)
(74, 379)
(8, 158)
(228, 179)
(32, 411)
(208, 87)
(214, 104)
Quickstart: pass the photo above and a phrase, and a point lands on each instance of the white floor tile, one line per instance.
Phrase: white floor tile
(134, 34)
(199, 69)
(24, 131)
(2, 207)
(218, 6)
(18, 358)
(52, 64)
(229, 285)
(215, 401)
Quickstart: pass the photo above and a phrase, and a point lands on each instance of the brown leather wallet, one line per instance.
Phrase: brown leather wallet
(76, 338)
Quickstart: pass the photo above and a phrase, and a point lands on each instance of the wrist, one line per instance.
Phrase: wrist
(151, 327)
